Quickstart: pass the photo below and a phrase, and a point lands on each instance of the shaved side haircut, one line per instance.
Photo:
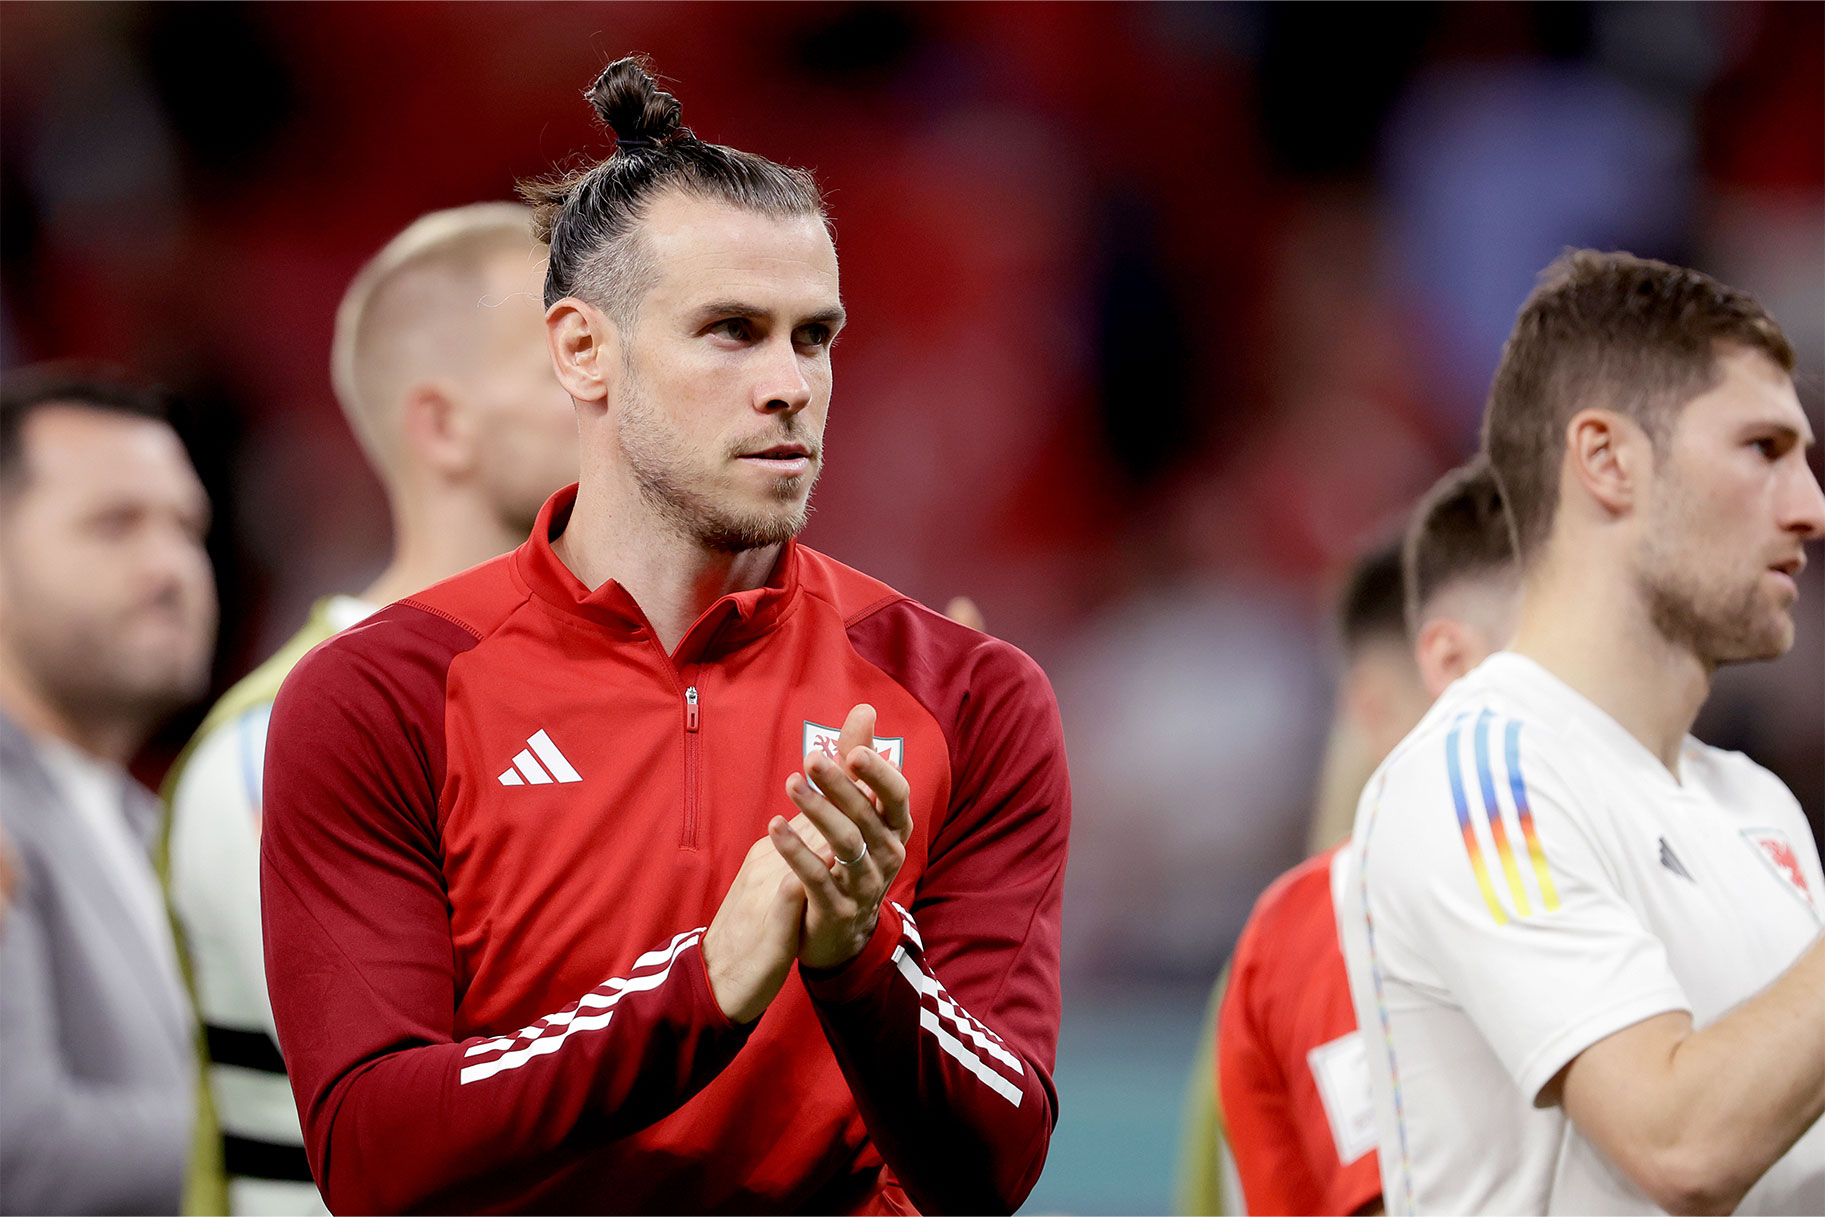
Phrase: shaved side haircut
(404, 312)
(1458, 533)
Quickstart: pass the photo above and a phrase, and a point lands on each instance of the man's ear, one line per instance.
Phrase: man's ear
(1445, 650)
(440, 428)
(1609, 457)
(585, 349)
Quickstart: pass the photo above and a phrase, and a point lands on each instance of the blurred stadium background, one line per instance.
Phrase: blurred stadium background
(1159, 312)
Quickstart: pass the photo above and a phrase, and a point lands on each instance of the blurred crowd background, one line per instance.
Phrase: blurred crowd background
(1159, 314)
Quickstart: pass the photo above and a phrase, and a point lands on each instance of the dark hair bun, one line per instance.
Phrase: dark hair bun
(631, 105)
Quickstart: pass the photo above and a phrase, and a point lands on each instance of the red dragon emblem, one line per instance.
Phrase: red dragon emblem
(1779, 851)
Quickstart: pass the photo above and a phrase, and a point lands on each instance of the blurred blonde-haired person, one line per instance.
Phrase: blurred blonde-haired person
(439, 364)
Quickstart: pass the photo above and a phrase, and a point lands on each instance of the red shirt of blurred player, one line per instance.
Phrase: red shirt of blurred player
(1286, 1030)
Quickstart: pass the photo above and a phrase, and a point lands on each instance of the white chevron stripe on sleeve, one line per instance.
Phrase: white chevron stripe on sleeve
(969, 1060)
(570, 1021)
(928, 986)
(664, 954)
(946, 1000)
(912, 931)
(497, 1045)
(539, 1047)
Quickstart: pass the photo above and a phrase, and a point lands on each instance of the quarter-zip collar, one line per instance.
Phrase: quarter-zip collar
(726, 625)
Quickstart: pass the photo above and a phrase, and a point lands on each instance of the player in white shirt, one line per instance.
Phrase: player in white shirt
(1586, 947)
(440, 364)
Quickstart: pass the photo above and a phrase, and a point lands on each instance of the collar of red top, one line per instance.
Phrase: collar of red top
(729, 623)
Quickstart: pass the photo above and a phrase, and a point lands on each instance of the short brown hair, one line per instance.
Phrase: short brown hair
(98, 386)
(1458, 531)
(1632, 334)
(1368, 607)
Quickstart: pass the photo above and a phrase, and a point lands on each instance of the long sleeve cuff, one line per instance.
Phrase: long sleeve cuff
(870, 967)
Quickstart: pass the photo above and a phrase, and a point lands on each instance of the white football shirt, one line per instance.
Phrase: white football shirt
(216, 800)
(1526, 878)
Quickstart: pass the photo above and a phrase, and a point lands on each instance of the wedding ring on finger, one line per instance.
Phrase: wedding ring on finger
(857, 860)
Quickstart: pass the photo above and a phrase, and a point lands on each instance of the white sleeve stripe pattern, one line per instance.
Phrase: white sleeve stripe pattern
(491, 1046)
(964, 1022)
(572, 1019)
(662, 956)
(911, 930)
(920, 978)
(936, 1006)
(948, 1004)
(968, 1059)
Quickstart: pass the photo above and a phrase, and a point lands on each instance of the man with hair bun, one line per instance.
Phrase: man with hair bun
(1291, 1112)
(439, 364)
(540, 934)
(1586, 947)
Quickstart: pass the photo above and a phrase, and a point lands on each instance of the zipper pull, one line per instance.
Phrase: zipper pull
(690, 709)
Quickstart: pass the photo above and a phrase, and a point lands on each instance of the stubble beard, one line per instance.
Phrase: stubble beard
(664, 472)
(91, 673)
(1703, 611)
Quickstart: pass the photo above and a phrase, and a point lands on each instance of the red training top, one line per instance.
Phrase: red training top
(1293, 1080)
(498, 818)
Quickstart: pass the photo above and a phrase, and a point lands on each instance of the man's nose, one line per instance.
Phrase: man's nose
(782, 388)
(174, 562)
(1806, 506)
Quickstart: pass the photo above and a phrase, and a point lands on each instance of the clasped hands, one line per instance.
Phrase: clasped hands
(811, 889)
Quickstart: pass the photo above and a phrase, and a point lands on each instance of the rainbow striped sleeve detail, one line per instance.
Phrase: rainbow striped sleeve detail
(1523, 812)
(1492, 813)
(1471, 845)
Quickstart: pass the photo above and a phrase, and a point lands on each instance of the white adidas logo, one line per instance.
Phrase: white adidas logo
(527, 770)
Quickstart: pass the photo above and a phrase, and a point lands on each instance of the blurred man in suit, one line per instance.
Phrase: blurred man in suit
(107, 622)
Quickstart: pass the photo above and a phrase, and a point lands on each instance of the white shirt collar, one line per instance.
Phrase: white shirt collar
(1563, 704)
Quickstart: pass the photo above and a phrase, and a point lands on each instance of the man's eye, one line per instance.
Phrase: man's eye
(1769, 448)
(814, 335)
(734, 327)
